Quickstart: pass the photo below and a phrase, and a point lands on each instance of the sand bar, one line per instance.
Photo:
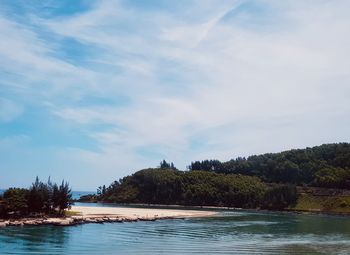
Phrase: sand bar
(129, 212)
(87, 214)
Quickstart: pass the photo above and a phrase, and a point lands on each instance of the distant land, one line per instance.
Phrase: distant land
(313, 179)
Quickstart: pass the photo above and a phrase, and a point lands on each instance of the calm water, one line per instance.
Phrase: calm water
(229, 233)
(78, 194)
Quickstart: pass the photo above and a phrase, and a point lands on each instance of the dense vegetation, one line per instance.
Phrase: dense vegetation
(40, 198)
(259, 181)
(321, 166)
(169, 186)
(323, 200)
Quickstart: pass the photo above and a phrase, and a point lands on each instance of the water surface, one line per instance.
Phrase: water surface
(228, 233)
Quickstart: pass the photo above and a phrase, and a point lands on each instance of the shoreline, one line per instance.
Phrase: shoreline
(225, 208)
(144, 212)
(86, 214)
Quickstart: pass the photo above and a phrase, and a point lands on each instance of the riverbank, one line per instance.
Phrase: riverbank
(86, 214)
(322, 201)
(217, 209)
(227, 233)
(311, 200)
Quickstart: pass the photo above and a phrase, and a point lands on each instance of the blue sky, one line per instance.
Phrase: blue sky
(91, 91)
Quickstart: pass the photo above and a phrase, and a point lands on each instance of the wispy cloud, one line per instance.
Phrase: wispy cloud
(182, 81)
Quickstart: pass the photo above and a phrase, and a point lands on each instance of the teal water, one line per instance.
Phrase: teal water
(78, 194)
(228, 233)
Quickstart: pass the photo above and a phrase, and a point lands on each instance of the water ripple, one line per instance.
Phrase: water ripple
(229, 234)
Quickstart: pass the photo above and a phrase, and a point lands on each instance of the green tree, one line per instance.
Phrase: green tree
(39, 197)
(167, 186)
(280, 197)
(15, 200)
(164, 165)
(64, 197)
(301, 166)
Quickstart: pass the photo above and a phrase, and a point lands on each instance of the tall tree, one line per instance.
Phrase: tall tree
(64, 196)
(15, 200)
(164, 165)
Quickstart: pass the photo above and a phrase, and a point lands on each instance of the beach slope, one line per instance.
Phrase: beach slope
(137, 213)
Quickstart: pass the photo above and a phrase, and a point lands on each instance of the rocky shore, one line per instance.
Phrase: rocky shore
(75, 220)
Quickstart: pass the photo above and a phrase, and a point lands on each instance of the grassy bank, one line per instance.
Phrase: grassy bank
(323, 201)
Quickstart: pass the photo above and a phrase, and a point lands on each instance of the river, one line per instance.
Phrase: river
(228, 233)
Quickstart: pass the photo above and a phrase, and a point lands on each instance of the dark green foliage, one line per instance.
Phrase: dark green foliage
(156, 185)
(203, 188)
(161, 186)
(90, 198)
(63, 198)
(302, 166)
(15, 200)
(207, 165)
(40, 198)
(333, 177)
(101, 190)
(238, 182)
(55, 195)
(280, 196)
(166, 165)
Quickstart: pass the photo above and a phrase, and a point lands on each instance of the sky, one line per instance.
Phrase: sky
(91, 91)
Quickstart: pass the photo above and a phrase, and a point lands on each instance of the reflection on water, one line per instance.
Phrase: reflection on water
(229, 233)
(32, 240)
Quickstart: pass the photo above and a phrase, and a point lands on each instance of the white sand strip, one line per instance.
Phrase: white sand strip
(108, 214)
(128, 212)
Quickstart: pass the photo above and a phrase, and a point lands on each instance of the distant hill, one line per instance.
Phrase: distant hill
(327, 165)
(266, 181)
(196, 188)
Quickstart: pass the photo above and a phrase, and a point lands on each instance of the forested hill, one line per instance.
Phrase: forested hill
(259, 181)
(171, 186)
(327, 165)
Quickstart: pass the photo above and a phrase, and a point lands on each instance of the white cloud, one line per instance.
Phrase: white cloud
(238, 74)
(238, 80)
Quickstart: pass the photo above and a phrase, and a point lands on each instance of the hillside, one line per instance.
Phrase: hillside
(312, 179)
(322, 200)
(197, 188)
(327, 166)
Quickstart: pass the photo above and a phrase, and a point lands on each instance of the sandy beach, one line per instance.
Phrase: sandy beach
(87, 214)
(138, 213)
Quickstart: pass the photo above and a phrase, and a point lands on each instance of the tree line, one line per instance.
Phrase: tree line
(258, 181)
(39, 198)
(197, 188)
(327, 166)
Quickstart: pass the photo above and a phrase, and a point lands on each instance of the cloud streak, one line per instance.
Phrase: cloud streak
(217, 79)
